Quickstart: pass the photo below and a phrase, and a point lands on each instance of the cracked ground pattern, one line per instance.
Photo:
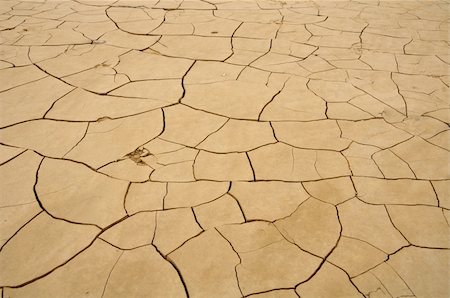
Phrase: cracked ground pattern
(224, 149)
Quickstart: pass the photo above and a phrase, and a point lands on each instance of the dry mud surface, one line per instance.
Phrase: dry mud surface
(224, 149)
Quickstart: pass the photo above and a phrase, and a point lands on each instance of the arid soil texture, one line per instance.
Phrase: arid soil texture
(224, 149)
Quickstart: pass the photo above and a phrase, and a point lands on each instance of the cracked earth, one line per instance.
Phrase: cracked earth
(224, 149)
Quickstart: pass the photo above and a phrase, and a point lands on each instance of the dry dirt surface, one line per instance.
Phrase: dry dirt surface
(224, 149)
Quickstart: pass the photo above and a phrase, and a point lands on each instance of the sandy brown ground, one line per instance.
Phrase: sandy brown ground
(224, 149)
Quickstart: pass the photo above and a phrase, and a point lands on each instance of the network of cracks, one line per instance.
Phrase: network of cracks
(224, 148)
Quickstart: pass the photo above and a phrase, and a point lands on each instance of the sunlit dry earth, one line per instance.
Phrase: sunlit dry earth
(224, 149)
